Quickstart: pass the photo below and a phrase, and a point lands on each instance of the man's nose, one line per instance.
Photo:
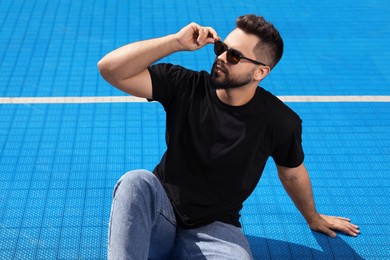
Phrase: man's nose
(223, 57)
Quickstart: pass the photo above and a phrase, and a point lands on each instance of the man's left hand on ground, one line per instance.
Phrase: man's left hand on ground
(331, 224)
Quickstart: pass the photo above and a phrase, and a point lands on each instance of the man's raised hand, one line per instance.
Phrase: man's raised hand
(193, 36)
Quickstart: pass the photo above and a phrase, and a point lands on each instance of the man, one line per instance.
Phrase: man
(220, 130)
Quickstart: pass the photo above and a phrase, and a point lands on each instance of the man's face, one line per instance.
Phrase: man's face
(225, 75)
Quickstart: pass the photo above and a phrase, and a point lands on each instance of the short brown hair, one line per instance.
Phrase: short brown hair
(270, 40)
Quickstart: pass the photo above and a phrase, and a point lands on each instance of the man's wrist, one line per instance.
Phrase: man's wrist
(312, 217)
(172, 44)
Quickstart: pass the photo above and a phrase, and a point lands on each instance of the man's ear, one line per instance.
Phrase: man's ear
(261, 72)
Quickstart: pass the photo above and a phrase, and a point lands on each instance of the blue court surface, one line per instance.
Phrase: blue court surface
(59, 161)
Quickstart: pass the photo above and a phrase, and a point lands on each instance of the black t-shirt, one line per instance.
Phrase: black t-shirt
(216, 153)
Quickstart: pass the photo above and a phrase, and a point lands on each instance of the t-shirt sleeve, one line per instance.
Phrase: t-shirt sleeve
(166, 79)
(290, 153)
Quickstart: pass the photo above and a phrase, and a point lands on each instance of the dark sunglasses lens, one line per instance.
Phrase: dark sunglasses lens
(218, 48)
(233, 57)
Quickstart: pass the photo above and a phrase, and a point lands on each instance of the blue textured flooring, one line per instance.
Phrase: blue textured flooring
(59, 162)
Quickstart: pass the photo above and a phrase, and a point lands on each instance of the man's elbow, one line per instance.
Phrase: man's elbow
(290, 174)
(105, 70)
(289, 178)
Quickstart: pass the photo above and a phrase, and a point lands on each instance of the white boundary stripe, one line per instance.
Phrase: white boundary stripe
(132, 99)
(335, 98)
(70, 100)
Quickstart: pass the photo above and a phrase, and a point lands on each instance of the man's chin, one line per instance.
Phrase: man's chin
(216, 80)
(219, 83)
(219, 80)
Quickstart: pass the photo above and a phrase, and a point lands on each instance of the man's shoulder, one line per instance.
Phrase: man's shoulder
(169, 67)
(278, 110)
(178, 74)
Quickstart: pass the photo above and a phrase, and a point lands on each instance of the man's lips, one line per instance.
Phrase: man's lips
(219, 67)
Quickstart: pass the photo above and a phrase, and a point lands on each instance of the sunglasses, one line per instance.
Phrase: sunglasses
(233, 56)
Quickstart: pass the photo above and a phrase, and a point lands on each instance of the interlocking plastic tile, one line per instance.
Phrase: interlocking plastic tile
(59, 162)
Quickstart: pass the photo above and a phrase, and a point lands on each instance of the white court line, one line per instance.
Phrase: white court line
(70, 100)
(132, 99)
(335, 98)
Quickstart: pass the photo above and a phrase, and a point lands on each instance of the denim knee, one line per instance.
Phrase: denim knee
(135, 180)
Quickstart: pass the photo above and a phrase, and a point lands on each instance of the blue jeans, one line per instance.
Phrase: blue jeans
(143, 226)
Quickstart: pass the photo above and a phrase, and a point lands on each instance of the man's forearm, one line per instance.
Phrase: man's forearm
(131, 59)
(297, 184)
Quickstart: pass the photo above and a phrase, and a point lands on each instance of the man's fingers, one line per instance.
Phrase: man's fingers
(350, 229)
(335, 217)
(213, 34)
(323, 226)
(207, 35)
(330, 225)
(195, 36)
(202, 34)
(343, 224)
(328, 231)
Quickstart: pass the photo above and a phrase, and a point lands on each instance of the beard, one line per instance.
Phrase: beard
(223, 79)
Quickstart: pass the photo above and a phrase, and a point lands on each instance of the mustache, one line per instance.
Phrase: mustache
(220, 65)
